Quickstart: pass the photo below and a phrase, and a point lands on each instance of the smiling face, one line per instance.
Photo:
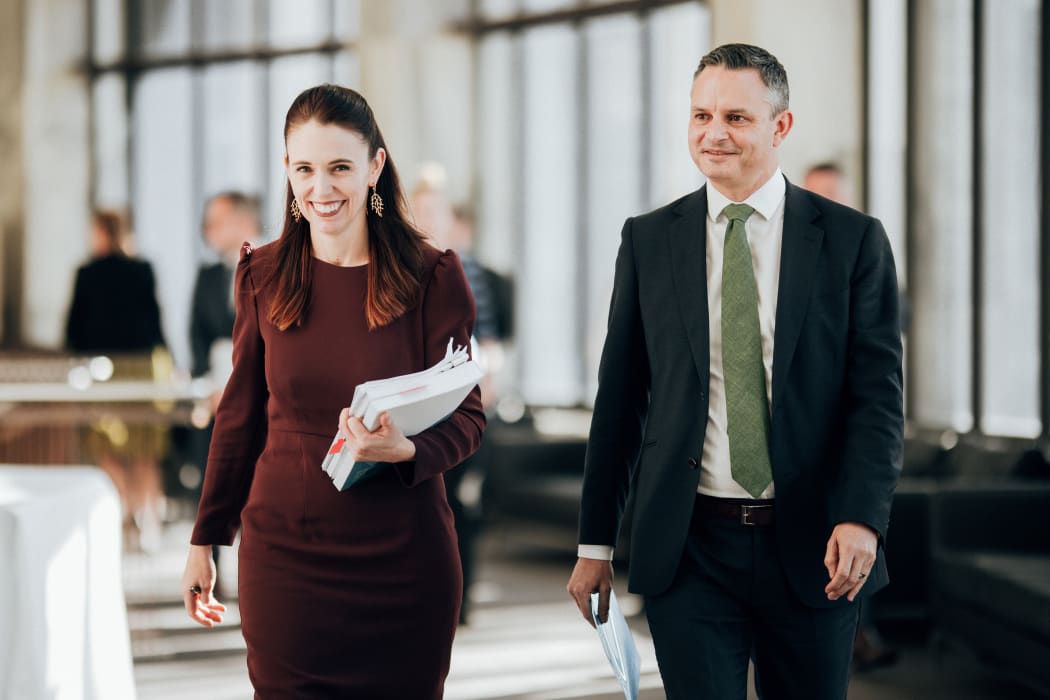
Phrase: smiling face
(330, 171)
(733, 135)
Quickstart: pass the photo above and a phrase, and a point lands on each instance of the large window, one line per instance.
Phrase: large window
(613, 59)
(887, 122)
(941, 218)
(1009, 180)
(582, 117)
(189, 99)
(975, 228)
(580, 110)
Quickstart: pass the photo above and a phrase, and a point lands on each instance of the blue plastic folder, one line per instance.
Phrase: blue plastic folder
(619, 645)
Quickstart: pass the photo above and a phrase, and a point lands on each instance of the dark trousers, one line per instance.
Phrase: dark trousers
(729, 602)
(467, 518)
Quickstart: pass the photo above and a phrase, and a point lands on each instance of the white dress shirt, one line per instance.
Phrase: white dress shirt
(765, 233)
(765, 230)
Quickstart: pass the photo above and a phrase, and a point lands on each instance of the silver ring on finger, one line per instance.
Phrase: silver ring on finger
(861, 576)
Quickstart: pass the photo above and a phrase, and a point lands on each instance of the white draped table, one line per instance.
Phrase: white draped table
(63, 621)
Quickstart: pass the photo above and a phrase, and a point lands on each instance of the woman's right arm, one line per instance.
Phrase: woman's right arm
(198, 582)
(240, 423)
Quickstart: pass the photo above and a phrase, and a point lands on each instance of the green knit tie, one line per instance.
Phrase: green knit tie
(745, 375)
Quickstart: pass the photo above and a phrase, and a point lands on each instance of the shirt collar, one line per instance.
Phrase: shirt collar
(764, 200)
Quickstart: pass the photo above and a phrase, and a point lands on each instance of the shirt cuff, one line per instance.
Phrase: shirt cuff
(595, 551)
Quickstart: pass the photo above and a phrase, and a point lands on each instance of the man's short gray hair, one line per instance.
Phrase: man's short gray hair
(743, 56)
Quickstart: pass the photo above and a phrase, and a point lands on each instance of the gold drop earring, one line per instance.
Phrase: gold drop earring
(376, 202)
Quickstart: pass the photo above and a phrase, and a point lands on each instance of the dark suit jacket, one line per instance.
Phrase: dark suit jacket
(837, 408)
(211, 315)
(114, 307)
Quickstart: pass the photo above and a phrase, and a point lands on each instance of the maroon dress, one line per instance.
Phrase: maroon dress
(350, 594)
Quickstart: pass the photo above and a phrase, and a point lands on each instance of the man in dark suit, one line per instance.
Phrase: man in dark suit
(230, 219)
(750, 404)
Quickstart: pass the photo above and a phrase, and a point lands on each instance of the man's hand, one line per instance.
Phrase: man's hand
(849, 558)
(589, 576)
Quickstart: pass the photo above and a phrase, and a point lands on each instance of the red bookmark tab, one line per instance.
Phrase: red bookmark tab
(337, 446)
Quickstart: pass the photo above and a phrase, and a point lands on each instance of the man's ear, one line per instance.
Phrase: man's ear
(782, 126)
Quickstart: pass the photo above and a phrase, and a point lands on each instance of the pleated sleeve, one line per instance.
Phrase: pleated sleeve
(448, 311)
(240, 422)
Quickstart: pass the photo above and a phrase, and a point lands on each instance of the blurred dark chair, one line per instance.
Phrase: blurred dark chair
(935, 460)
(534, 481)
(906, 600)
(990, 574)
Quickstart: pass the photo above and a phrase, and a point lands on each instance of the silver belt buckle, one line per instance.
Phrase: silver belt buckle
(745, 514)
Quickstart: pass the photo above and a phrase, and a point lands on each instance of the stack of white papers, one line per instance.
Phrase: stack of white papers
(618, 643)
(414, 402)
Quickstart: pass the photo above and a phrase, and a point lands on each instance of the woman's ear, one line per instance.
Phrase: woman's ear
(378, 161)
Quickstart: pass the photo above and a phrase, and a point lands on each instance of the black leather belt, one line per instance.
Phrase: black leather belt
(758, 513)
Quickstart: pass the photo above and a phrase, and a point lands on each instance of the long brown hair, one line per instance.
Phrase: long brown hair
(395, 248)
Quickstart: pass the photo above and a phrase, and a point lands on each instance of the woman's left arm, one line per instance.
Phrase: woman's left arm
(448, 312)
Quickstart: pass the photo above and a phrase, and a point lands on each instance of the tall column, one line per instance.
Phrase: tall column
(56, 157)
(12, 214)
(418, 76)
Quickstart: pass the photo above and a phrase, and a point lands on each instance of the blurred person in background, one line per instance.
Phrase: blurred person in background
(114, 306)
(434, 216)
(452, 228)
(351, 593)
(497, 290)
(829, 180)
(869, 649)
(114, 310)
(231, 219)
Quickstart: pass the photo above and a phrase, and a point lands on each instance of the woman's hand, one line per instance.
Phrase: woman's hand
(198, 581)
(385, 444)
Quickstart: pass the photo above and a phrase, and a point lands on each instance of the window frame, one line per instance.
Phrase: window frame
(975, 237)
(514, 26)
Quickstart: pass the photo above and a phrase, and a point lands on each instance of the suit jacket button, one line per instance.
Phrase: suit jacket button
(693, 464)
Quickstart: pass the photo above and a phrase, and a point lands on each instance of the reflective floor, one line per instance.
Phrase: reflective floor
(524, 641)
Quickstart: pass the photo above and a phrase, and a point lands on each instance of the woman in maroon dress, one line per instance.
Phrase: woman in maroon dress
(354, 593)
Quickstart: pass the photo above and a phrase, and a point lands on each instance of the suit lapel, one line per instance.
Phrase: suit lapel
(688, 248)
(798, 261)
